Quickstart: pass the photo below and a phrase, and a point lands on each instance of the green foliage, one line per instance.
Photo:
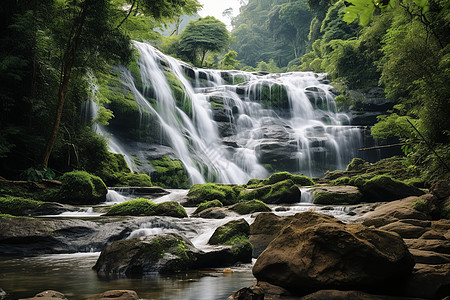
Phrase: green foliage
(17, 206)
(248, 207)
(229, 61)
(80, 187)
(169, 173)
(208, 204)
(202, 36)
(37, 175)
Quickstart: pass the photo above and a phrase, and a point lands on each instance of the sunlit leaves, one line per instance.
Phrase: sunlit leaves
(362, 9)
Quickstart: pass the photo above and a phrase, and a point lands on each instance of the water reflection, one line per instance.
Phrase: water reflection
(72, 275)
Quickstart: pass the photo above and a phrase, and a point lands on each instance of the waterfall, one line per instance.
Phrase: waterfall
(231, 126)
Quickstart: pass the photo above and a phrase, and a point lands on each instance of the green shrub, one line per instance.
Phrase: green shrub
(208, 204)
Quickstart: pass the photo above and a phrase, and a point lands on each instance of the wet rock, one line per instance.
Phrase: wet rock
(165, 253)
(428, 281)
(248, 293)
(213, 213)
(48, 295)
(392, 212)
(440, 188)
(285, 191)
(405, 229)
(348, 295)
(206, 205)
(264, 229)
(429, 257)
(440, 246)
(317, 252)
(385, 188)
(248, 207)
(229, 232)
(336, 195)
(117, 295)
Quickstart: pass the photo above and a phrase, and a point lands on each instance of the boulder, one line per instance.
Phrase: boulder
(317, 252)
(440, 246)
(250, 293)
(404, 229)
(440, 188)
(392, 212)
(248, 207)
(170, 209)
(207, 204)
(348, 295)
(79, 187)
(165, 253)
(116, 294)
(428, 281)
(285, 191)
(48, 295)
(213, 213)
(264, 229)
(385, 188)
(336, 195)
(230, 233)
(429, 257)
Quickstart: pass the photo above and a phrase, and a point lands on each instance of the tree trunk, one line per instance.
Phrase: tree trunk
(68, 61)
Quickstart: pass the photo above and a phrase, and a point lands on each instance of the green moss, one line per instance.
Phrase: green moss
(199, 193)
(356, 164)
(302, 180)
(336, 198)
(169, 173)
(285, 191)
(171, 209)
(133, 179)
(231, 233)
(341, 181)
(421, 205)
(80, 187)
(244, 208)
(208, 204)
(277, 177)
(254, 183)
(18, 206)
(181, 98)
(274, 96)
(386, 188)
(297, 179)
(136, 207)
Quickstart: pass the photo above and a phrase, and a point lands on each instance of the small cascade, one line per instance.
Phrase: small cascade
(231, 126)
(306, 196)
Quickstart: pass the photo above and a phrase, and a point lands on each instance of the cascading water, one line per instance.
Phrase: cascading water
(230, 126)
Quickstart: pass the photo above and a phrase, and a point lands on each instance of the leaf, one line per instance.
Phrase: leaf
(363, 9)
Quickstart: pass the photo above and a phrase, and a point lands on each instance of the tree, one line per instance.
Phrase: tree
(229, 61)
(202, 36)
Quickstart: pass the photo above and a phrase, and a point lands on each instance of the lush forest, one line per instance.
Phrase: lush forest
(49, 49)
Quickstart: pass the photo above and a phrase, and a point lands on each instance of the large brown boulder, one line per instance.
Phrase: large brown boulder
(317, 252)
(394, 211)
(116, 295)
(428, 281)
(264, 229)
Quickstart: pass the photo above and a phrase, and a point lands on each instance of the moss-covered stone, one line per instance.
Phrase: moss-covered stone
(274, 96)
(181, 98)
(297, 179)
(18, 206)
(337, 195)
(231, 233)
(169, 173)
(145, 207)
(208, 204)
(170, 209)
(254, 183)
(302, 180)
(79, 187)
(341, 181)
(199, 193)
(386, 188)
(285, 191)
(133, 179)
(248, 207)
(356, 164)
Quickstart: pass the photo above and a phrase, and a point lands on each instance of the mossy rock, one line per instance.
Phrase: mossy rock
(285, 191)
(356, 164)
(169, 173)
(133, 179)
(165, 254)
(385, 188)
(170, 209)
(18, 206)
(79, 187)
(337, 195)
(297, 179)
(199, 193)
(254, 183)
(145, 207)
(248, 207)
(341, 181)
(208, 204)
(233, 232)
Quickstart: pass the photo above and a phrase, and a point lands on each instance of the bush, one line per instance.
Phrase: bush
(79, 187)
